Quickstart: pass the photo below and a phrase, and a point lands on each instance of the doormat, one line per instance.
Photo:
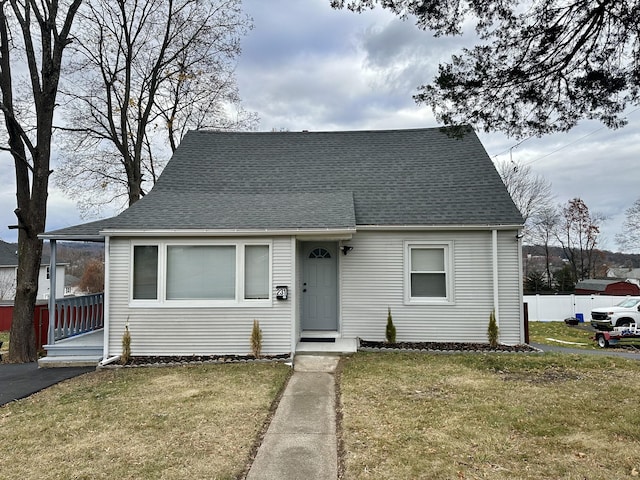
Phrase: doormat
(316, 339)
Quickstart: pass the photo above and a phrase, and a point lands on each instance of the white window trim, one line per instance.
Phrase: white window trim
(449, 299)
(238, 301)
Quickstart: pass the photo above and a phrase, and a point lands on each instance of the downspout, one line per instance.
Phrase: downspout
(496, 292)
(51, 335)
(108, 361)
(521, 288)
(105, 299)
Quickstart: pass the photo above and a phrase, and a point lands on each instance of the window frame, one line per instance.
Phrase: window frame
(447, 249)
(237, 301)
(132, 272)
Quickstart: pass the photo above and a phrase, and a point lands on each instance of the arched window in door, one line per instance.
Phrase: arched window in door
(320, 253)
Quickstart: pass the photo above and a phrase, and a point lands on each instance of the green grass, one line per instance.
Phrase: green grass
(537, 416)
(580, 335)
(144, 423)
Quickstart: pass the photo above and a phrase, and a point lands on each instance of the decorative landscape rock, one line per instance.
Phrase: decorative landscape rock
(446, 347)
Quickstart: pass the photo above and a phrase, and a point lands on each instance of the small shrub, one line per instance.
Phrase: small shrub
(492, 330)
(126, 346)
(256, 339)
(390, 334)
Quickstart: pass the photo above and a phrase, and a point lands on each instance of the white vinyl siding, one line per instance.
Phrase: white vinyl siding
(199, 328)
(511, 300)
(373, 279)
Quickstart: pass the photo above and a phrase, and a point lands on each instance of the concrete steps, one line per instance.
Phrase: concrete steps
(80, 351)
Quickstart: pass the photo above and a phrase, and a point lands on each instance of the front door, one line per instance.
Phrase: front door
(319, 286)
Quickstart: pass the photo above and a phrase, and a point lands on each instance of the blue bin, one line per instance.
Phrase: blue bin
(580, 317)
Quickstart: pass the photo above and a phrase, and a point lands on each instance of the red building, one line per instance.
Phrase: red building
(607, 287)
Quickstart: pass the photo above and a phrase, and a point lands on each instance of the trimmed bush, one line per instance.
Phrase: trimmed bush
(492, 330)
(126, 346)
(390, 334)
(256, 339)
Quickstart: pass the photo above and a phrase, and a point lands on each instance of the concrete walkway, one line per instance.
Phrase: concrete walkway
(301, 440)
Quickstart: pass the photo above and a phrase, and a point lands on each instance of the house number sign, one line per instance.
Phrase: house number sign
(282, 292)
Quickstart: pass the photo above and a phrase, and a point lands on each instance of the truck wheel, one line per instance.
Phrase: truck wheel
(602, 342)
(624, 323)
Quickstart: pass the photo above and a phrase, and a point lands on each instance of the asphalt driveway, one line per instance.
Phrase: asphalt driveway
(21, 380)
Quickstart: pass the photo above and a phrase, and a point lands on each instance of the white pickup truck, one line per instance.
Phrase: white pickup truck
(622, 315)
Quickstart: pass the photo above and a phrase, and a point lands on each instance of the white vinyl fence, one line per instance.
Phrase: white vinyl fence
(551, 308)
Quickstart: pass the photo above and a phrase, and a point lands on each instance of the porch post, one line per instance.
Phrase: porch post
(52, 293)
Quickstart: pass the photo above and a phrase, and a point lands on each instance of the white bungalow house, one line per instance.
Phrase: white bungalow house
(8, 275)
(315, 235)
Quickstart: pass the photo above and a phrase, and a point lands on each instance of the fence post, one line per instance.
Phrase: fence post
(526, 322)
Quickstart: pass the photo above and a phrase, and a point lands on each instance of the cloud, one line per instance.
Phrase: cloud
(306, 66)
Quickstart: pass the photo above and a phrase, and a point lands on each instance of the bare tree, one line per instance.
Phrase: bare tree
(530, 192)
(542, 231)
(629, 238)
(151, 69)
(578, 235)
(37, 33)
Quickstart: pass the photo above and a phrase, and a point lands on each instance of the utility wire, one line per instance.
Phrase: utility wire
(510, 149)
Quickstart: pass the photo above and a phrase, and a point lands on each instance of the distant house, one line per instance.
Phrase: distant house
(316, 236)
(606, 287)
(9, 269)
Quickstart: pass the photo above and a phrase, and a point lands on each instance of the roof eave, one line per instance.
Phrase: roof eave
(442, 227)
(231, 232)
(71, 237)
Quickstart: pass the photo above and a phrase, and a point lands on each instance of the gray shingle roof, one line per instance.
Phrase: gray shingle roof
(9, 255)
(221, 180)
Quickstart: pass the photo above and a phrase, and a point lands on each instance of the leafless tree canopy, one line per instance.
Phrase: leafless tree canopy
(531, 193)
(629, 238)
(143, 73)
(577, 233)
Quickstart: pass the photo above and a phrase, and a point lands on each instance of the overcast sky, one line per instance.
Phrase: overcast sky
(305, 66)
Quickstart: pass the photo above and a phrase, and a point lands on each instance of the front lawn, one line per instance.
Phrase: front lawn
(562, 335)
(144, 423)
(495, 416)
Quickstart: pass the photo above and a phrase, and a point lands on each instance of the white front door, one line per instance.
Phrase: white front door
(319, 286)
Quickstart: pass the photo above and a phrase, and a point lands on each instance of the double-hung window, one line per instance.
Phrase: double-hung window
(145, 272)
(233, 273)
(428, 272)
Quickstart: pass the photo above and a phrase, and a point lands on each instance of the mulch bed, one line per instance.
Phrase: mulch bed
(367, 345)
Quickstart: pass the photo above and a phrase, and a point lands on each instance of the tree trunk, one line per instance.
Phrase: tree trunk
(22, 336)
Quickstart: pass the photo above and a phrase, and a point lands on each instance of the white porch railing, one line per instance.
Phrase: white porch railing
(76, 315)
